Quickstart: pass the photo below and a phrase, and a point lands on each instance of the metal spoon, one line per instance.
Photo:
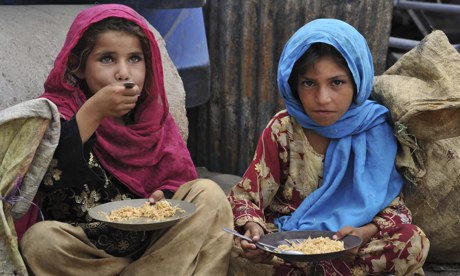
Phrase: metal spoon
(267, 246)
(129, 84)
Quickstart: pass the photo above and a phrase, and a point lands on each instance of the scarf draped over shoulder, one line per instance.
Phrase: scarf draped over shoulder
(360, 177)
(147, 155)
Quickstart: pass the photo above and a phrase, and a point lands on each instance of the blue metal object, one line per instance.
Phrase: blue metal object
(136, 4)
(184, 33)
(159, 4)
(426, 6)
(407, 44)
(424, 26)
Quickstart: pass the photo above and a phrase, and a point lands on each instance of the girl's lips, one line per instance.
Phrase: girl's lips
(323, 111)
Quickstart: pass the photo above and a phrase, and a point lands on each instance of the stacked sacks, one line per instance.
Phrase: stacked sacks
(422, 92)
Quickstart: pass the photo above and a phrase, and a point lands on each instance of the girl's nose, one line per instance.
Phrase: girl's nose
(323, 96)
(121, 77)
(123, 73)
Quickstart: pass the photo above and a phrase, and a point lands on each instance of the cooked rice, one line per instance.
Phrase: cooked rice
(320, 245)
(159, 211)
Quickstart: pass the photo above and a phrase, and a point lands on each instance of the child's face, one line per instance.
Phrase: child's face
(326, 91)
(116, 57)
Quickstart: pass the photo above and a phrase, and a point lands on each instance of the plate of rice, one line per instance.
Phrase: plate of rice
(314, 245)
(140, 215)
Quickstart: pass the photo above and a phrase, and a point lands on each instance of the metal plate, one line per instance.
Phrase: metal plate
(140, 224)
(279, 238)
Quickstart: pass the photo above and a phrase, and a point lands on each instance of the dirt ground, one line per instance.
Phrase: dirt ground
(442, 269)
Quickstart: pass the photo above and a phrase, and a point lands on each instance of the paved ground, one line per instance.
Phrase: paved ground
(442, 269)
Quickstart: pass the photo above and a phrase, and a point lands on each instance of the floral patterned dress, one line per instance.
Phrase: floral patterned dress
(76, 182)
(284, 171)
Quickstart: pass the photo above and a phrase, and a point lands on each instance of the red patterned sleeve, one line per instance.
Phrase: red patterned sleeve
(260, 182)
(396, 213)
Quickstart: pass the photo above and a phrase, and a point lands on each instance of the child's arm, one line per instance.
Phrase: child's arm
(114, 100)
(396, 213)
(69, 167)
(88, 120)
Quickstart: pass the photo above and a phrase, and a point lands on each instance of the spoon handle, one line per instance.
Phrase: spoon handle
(249, 239)
(238, 235)
(270, 248)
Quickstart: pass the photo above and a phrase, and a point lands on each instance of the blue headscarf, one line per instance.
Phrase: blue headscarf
(360, 177)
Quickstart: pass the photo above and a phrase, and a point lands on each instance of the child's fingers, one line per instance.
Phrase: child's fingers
(246, 246)
(158, 195)
(130, 99)
(131, 92)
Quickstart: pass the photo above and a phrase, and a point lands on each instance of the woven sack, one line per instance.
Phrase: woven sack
(422, 92)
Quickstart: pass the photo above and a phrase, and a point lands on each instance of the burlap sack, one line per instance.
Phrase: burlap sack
(422, 92)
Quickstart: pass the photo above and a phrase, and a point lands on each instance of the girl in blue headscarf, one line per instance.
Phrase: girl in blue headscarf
(327, 162)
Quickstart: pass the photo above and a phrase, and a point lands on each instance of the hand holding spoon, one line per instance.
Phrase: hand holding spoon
(270, 248)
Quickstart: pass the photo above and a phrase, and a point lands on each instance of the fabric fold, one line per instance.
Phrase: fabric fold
(29, 134)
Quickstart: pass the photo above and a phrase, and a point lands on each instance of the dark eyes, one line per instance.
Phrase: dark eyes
(106, 59)
(109, 59)
(308, 83)
(135, 59)
(337, 82)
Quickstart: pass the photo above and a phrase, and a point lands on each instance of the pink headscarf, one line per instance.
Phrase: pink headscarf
(147, 155)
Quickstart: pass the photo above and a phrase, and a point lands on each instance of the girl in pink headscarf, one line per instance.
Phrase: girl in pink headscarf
(119, 141)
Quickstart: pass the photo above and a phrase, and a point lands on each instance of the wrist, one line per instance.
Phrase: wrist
(369, 231)
(87, 121)
(92, 111)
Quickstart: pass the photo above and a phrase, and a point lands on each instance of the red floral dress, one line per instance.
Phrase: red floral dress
(284, 171)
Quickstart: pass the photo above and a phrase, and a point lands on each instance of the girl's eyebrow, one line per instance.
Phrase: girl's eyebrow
(304, 77)
(140, 53)
(108, 53)
(339, 76)
(104, 53)
(331, 78)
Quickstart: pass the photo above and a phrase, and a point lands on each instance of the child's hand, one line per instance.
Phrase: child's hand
(115, 100)
(365, 232)
(250, 251)
(348, 230)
